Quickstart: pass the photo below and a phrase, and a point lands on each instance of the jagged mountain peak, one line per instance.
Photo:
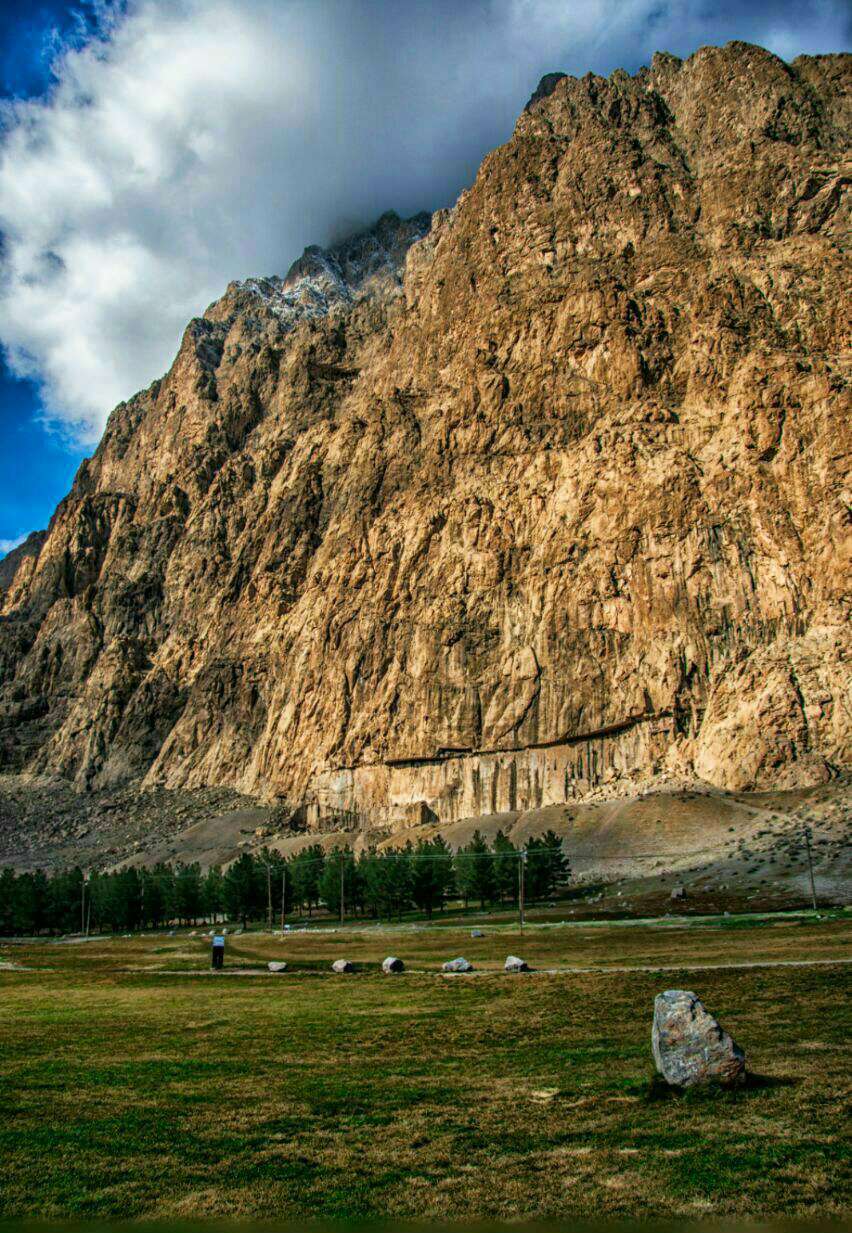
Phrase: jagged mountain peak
(368, 263)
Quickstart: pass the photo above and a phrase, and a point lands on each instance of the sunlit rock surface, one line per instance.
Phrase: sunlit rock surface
(541, 498)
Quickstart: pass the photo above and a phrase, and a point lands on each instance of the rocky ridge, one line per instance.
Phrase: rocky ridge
(540, 498)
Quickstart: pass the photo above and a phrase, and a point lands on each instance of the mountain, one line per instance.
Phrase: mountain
(539, 498)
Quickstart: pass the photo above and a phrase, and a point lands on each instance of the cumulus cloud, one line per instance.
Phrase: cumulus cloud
(6, 545)
(196, 141)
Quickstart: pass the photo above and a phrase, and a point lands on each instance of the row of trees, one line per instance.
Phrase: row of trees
(376, 884)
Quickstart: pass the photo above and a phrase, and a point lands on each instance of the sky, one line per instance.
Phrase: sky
(153, 150)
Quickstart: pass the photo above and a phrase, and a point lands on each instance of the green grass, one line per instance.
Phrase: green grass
(129, 1091)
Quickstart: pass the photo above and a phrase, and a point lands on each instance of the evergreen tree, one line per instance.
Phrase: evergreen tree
(371, 881)
(341, 859)
(547, 866)
(24, 905)
(475, 871)
(399, 880)
(431, 874)
(158, 894)
(64, 900)
(7, 901)
(213, 893)
(241, 888)
(505, 868)
(306, 868)
(188, 892)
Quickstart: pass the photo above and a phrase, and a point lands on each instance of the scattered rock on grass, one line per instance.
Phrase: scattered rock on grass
(457, 965)
(342, 965)
(476, 933)
(277, 965)
(514, 964)
(392, 964)
(678, 892)
(689, 1045)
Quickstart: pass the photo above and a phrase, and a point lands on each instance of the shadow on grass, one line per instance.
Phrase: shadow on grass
(656, 1089)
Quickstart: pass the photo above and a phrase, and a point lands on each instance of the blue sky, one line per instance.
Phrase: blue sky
(153, 150)
(36, 466)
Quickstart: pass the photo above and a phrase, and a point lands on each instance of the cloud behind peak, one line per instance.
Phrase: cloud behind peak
(192, 142)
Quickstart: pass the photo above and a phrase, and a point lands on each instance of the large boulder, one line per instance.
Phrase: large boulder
(342, 965)
(392, 964)
(457, 965)
(514, 964)
(277, 965)
(689, 1045)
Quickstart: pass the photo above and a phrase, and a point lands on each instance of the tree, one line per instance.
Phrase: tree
(241, 888)
(340, 860)
(475, 871)
(398, 880)
(306, 868)
(64, 898)
(505, 868)
(159, 894)
(547, 865)
(213, 893)
(431, 873)
(189, 892)
(7, 901)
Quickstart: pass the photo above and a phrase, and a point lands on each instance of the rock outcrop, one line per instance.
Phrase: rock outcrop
(482, 512)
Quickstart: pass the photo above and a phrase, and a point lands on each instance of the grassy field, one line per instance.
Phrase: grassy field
(133, 1083)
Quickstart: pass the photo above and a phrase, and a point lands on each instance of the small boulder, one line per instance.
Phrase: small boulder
(476, 933)
(277, 965)
(678, 892)
(392, 964)
(514, 964)
(457, 965)
(342, 965)
(688, 1044)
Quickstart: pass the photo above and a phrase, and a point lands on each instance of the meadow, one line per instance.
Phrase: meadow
(134, 1083)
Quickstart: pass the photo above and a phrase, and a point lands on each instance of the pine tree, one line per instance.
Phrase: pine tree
(431, 874)
(241, 888)
(475, 871)
(329, 883)
(213, 893)
(307, 868)
(505, 868)
(189, 892)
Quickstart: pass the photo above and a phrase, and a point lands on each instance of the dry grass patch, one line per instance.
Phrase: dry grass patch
(138, 1094)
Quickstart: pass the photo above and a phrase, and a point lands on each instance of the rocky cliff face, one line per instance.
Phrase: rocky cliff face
(479, 512)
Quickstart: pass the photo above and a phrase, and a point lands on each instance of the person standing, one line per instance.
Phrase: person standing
(217, 958)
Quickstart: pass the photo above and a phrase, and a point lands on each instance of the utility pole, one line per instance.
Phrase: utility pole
(283, 895)
(269, 896)
(807, 834)
(522, 861)
(342, 866)
(83, 904)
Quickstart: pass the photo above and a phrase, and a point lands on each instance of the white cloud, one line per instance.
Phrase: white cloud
(205, 140)
(6, 545)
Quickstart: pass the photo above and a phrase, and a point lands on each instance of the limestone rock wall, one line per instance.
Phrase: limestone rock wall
(550, 488)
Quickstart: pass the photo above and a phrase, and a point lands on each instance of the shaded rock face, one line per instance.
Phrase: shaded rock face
(688, 1044)
(31, 547)
(481, 512)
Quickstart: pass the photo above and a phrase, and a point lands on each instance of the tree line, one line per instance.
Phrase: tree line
(266, 885)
